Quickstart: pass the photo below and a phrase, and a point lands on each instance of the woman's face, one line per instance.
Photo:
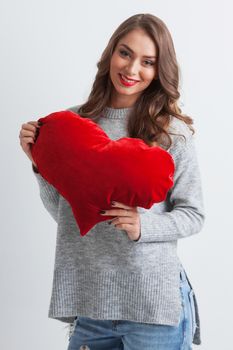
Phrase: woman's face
(132, 67)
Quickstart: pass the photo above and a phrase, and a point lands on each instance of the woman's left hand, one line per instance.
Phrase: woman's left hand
(127, 219)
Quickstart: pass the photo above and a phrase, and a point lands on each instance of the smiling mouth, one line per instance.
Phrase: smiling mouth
(127, 82)
(124, 77)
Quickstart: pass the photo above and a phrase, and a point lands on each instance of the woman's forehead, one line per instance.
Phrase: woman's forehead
(138, 40)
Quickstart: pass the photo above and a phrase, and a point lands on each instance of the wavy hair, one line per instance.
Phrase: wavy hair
(151, 114)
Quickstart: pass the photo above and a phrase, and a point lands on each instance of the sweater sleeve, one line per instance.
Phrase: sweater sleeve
(48, 194)
(185, 199)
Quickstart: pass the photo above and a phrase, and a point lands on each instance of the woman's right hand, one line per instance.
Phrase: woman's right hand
(28, 134)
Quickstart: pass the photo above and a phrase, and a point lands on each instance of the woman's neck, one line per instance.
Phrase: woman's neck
(119, 102)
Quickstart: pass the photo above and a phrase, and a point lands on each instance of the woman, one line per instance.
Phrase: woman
(122, 286)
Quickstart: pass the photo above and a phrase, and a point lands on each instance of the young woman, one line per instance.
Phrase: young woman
(122, 286)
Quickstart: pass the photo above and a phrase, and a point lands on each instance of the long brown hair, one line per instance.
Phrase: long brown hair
(149, 118)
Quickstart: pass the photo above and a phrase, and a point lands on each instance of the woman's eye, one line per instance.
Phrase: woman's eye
(150, 63)
(123, 52)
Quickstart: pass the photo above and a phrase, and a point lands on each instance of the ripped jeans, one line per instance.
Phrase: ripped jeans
(90, 334)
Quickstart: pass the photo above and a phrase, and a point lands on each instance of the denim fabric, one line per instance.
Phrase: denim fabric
(90, 334)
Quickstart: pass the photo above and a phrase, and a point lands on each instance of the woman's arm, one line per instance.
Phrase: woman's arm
(48, 194)
(187, 215)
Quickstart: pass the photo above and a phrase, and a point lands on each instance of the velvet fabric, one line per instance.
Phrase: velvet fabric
(90, 170)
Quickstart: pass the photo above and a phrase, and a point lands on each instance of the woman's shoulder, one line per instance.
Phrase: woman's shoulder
(74, 108)
(179, 131)
(178, 126)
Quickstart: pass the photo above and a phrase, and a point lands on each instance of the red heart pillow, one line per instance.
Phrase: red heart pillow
(90, 170)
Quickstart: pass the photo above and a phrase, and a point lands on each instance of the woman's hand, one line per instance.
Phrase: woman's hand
(28, 134)
(127, 219)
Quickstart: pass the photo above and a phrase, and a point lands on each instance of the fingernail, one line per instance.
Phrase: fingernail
(102, 212)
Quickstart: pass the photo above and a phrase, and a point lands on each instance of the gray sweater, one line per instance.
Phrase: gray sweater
(104, 275)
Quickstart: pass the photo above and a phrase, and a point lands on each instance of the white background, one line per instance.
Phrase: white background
(49, 51)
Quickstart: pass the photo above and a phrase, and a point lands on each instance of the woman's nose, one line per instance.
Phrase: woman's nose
(132, 69)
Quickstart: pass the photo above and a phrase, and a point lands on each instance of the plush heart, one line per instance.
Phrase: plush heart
(90, 170)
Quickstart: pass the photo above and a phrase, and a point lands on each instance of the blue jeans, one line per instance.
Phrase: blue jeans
(90, 334)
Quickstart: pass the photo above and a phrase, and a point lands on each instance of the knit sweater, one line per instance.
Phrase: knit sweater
(104, 274)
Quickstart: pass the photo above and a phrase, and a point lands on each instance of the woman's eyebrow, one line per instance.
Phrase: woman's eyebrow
(127, 47)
